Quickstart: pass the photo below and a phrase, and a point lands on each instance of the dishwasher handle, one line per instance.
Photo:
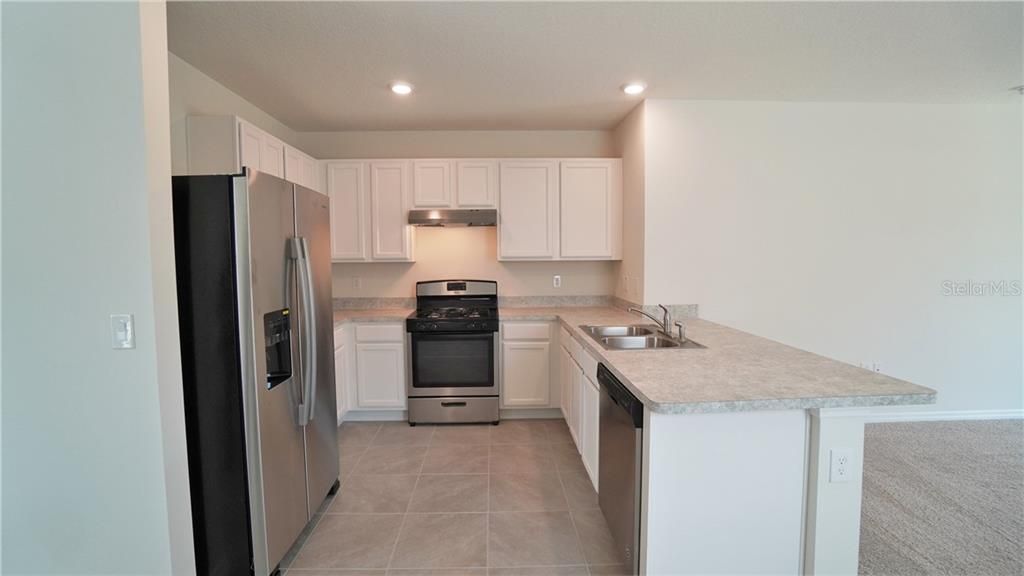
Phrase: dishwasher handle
(621, 396)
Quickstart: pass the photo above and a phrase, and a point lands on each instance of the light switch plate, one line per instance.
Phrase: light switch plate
(122, 331)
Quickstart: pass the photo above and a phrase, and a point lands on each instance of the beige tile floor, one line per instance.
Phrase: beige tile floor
(506, 500)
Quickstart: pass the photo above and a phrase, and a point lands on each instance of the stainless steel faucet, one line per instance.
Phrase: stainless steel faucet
(666, 319)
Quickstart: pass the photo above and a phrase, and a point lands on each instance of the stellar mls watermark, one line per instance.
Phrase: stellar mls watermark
(982, 288)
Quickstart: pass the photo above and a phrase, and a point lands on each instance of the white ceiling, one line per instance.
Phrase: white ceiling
(324, 66)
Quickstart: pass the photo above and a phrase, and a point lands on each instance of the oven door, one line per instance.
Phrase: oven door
(452, 364)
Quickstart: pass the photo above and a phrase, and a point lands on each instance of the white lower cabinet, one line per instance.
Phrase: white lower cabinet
(526, 365)
(590, 415)
(380, 374)
(581, 401)
(341, 371)
(566, 367)
(379, 367)
(525, 374)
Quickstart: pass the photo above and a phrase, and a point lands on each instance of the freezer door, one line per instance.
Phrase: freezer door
(264, 224)
(312, 223)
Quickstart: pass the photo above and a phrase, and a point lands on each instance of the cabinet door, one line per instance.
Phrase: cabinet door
(380, 374)
(432, 183)
(340, 379)
(272, 156)
(565, 381)
(528, 210)
(309, 171)
(590, 414)
(576, 393)
(391, 237)
(250, 142)
(293, 171)
(476, 183)
(300, 168)
(590, 209)
(347, 189)
(525, 374)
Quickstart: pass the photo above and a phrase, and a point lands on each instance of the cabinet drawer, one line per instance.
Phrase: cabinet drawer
(587, 362)
(380, 332)
(570, 344)
(527, 331)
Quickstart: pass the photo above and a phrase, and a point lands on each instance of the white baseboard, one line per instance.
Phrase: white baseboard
(401, 415)
(373, 416)
(875, 416)
(530, 413)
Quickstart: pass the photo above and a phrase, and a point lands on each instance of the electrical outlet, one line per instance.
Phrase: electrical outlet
(840, 465)
(873, 366)
(556, 281)
(357, 282)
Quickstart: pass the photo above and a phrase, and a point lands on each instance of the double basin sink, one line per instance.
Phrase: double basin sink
(635, 337)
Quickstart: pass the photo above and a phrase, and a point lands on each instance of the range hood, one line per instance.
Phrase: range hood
(453, 217)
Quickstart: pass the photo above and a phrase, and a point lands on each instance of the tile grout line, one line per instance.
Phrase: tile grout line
(405, 515)
(487, 525)
(572, 518)
(329, 506)
(337, 495)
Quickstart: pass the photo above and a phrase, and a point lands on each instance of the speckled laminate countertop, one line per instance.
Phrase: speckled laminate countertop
(736, 372)
(372, 315)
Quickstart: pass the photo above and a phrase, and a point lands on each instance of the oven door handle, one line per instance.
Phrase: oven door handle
(452, 404)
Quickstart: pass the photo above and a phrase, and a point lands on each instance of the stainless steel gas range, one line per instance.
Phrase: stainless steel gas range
(453, 352)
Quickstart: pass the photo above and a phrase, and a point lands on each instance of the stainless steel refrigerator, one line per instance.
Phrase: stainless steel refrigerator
(254, 301)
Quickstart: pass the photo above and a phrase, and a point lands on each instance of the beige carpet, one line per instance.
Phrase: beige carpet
(943, 498)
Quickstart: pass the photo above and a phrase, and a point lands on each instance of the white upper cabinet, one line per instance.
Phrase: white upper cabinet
(454, 184)
(226, 144)
(548, 209)
(272, 156)
(591, 209)
(528, 210)
(250, 141)
(348, 190)
(391, 236)
(300, 168)
(259, 150)
(432, 183)
(476, 183)
(369, 217)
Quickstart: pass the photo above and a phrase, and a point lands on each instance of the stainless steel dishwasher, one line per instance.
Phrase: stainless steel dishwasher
(620, 465)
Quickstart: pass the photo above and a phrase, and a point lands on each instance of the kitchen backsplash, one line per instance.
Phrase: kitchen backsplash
(677, 310)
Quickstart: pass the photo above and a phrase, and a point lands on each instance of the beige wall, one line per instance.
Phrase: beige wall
(470, 253)
(457, 143)
(833, 226)
(193, 93)
(629, 144)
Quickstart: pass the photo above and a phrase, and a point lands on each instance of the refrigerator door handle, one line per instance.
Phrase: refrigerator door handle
(309, 306)
(297, 261)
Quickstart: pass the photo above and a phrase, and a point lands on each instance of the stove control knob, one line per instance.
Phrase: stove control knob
(432, 326)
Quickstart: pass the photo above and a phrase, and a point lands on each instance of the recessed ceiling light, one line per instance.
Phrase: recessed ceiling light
(634, 88)
(401, 88)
